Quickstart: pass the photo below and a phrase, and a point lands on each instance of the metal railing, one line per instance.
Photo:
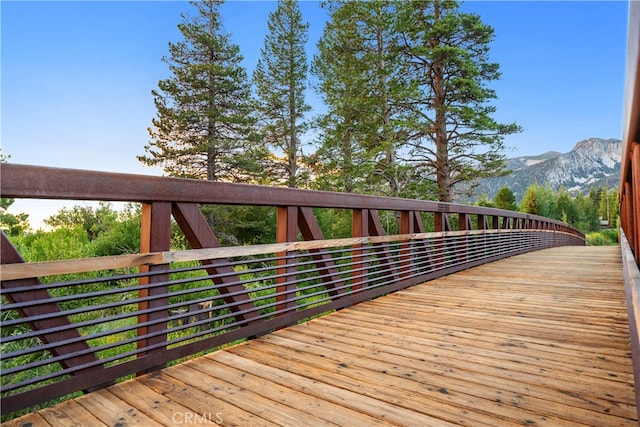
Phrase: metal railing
(78, 325)
(630, 188)
(630, 164)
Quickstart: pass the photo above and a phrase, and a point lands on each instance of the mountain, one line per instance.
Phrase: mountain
(591, 163)
(524, 161)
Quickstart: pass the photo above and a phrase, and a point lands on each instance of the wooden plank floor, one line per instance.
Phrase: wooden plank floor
(539, 339)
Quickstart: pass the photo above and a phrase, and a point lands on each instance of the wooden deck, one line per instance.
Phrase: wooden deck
(538, 339)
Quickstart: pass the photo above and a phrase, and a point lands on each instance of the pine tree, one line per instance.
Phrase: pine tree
(530, 201)
(454, 139)
(204, 126)
(566, 207)
(357, 71)
(280, 79)
(505, 199)
(340, 158)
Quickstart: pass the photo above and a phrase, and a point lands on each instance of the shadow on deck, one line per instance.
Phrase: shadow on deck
(537, 339)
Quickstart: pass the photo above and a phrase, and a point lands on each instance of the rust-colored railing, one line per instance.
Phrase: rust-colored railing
(77, 325)
(630, 167)
(630, 188)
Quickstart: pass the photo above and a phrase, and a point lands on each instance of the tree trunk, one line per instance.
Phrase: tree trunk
(293, 146)
(390, 153)
(443, 171)
(293, 140)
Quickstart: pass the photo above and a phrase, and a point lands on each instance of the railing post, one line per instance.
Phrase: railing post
(155, 236)
(464, 224)
(441, 225)
(495, 221)
(482, 222)
(627, 209)
(406, 257)
(359, 228)
(286, 231)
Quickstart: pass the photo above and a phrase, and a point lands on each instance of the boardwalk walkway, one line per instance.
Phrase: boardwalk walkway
(537, 339)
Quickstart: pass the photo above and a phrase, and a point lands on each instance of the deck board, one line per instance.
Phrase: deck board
(538, 339)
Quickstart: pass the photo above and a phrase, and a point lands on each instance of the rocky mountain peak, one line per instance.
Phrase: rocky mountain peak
(596, 144)
(592, 162)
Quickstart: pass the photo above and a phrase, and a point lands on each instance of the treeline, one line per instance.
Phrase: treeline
(591, 213)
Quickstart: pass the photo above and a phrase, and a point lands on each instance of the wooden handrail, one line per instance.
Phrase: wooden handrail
(36, 182)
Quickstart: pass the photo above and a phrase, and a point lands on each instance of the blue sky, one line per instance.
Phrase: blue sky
(76, 77)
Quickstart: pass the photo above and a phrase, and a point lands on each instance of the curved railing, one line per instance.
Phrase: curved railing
(630, 164)
(630, 187)
(77, 325)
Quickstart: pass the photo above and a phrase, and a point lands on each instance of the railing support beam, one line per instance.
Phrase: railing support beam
(155, 236)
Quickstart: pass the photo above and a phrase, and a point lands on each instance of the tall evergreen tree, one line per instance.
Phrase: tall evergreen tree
(357, 71)
(340, 157)
(280, 79)
(454, 138)
(566, 207)
(505, 199)
(204, 126)
(531, 201)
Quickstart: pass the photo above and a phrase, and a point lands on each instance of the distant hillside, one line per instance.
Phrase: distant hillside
(593, 162)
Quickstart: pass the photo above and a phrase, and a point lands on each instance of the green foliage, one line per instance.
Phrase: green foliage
(588, 219)
(603, 238)
(539, 200)
(334, 223)
(12, 224)
(93, 222)
(109, 231)
(355, 65)
(280, 79)
(505, 199)
(609, 205)
(566, 208)
(204, 126)
(123, 235)
(242, 225)
(62, 243)
(82, 232)
(483, 200)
